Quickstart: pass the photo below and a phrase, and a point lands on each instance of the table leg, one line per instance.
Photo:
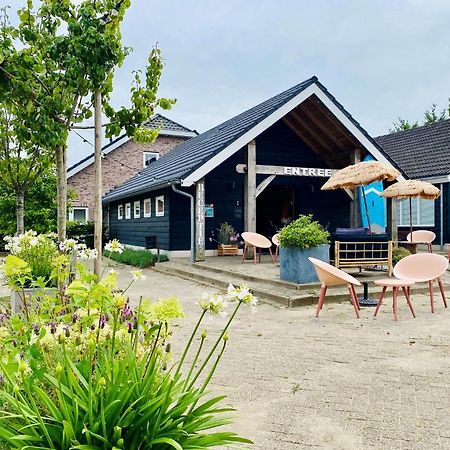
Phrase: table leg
(394, 302)
(380, 300)
(408, 300)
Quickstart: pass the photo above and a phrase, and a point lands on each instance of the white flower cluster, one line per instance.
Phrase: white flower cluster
(114, 246)
(15, 244)
(138, 275)
(213, 304)
(86, 253)
(242, 294)
(68, 245)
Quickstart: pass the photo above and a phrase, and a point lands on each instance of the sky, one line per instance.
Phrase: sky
(381, 59)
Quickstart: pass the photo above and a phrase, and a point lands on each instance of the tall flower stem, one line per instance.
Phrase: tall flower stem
(194, 362)
(213, 349)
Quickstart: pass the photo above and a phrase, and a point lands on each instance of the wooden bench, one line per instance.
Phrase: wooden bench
(363, 254)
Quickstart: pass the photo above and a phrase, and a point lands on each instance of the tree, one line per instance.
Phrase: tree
(22, 163)
(430, 116)
(55, 61)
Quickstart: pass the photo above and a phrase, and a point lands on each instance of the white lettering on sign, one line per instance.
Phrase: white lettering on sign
(307, 172)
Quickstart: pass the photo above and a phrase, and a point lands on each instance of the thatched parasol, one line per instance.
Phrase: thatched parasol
(412, 189)
(360, 174)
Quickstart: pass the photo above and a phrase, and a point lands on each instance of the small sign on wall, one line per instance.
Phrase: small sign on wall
(209, 210)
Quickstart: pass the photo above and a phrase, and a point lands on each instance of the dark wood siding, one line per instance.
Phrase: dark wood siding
(134, 231)
(180, 220)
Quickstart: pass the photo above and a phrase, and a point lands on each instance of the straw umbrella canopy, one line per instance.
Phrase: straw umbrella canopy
(361, 174)
(412, 189)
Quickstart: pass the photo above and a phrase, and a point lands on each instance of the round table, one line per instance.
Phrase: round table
(395, 284)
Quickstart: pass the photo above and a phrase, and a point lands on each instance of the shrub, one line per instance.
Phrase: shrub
(92, 373)
(303, 233)
(137, 258)
(399, 253)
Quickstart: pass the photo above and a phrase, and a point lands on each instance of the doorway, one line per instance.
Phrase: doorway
(274, 208)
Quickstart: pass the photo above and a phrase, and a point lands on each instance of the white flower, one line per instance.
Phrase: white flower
(213, 304)
(112, 271)
(88, 253)
(242, 294)
(114, 246)
(67, 245)
(138, 275)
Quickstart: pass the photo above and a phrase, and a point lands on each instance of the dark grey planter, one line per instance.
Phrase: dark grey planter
(294, 264)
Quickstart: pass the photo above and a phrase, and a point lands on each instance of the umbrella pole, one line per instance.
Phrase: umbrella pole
(367, 209)
(410, 218)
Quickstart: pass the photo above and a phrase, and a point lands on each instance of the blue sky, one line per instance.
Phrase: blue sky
(381, 59)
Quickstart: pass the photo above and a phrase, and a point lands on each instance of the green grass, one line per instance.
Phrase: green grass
(137, 258)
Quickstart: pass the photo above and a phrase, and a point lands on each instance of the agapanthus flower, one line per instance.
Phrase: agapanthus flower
(213, 304)
(138, 275)
(68, 245)
(242, 294)
(88, 253)
(114, 246)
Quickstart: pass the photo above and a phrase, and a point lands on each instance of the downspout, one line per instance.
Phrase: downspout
(191, 197)
(442, 216)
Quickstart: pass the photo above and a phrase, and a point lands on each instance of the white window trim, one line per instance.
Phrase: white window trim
(71, 213)
(149, 214)
(404, 211)
(127, 210)
(137, 204)
(160, 213)
(144, 154)
(119, 212)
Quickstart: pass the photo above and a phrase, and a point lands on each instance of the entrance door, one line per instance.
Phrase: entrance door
(274, 208)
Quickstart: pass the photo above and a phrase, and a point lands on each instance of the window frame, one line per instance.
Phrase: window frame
(120, 212)
(160, 213)
(71, 213)
(127, 211)
(403, 213)
(138, 204)
(149, 201)
(144, 154)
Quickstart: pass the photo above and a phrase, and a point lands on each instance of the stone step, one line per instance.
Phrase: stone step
(272, 291)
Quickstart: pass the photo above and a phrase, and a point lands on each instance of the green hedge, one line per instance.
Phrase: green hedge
(137, 258)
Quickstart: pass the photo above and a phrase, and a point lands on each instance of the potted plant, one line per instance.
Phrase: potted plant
(227, 240)
(300, 239)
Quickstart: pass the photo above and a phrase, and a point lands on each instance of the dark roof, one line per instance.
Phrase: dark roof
(191, 154)
(166, 125)
(422, 152)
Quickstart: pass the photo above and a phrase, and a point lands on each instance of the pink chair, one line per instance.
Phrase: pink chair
(332, 276)
(276, 242)
(422, 237)
(257, 241)
(423, 267)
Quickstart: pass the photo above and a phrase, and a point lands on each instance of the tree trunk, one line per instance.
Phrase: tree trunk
(61, 177)
(20, 211)
(98, 223)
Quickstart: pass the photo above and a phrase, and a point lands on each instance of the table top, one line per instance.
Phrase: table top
(394, 282)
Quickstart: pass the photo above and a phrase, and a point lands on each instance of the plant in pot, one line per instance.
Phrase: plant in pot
(299, 240)
(227, 240)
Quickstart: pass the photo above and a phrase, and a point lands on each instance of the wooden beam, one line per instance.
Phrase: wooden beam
(261, 186)
(288, 170)
(314, 146)
(250, 190)
(200, 220)
(355, 211)
(391, 216)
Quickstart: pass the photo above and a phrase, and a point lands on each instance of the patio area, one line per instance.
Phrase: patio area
(332, 383)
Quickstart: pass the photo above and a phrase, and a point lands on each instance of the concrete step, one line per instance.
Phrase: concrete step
(276, 292)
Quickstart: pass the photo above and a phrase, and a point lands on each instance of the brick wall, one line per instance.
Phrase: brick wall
(114, 172)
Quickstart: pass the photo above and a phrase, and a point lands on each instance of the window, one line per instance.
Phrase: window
(150, 157)
(160, 206)
(128, 211)
(147, 207)
(137, 209)
(422, 212)
(78, 214)
(120, 212)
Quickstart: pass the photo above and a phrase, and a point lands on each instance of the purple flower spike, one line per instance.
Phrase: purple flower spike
(130, 327)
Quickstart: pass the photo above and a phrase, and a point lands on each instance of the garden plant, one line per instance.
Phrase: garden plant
(84, 369)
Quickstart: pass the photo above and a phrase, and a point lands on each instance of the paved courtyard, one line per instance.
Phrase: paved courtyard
(335, 382)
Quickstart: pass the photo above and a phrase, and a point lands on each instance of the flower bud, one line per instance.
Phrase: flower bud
(102, 382)
(16, 389)
(204, 333)
(59, 368)
(225, 337)
(23, 366)
(168, 347)
(120, 443)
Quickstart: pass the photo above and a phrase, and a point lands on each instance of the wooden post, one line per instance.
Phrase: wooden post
(200, 220)
(250, 188)
(391, 216)
(355, 212)
(98, 222)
